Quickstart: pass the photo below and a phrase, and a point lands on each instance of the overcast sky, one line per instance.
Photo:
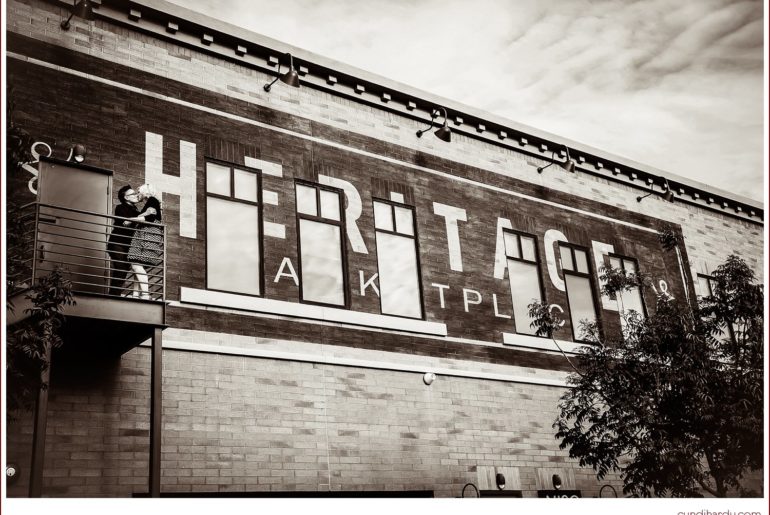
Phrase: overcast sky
(677, 84)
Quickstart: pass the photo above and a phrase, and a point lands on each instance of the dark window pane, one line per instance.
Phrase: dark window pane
(705, 286)
(525, 289)
(232, 246)
(399, 278)
(321, 262)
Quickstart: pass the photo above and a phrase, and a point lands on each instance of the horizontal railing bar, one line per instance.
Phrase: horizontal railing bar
(93, 232)
(73, 210)
(104, 284)
(111, 269)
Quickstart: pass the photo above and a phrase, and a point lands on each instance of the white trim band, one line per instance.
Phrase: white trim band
(359, 363)
(533, 342)
(292, 309)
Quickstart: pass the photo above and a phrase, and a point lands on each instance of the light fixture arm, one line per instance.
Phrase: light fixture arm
(553, 156)
(541, 168)
(291, 67)
(435, 113)
(270, 85)
(65, 25)
(652, 190)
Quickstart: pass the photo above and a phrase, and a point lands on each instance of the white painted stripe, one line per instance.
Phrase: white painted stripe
(533, 342)
(270, 197)
(332, 144)
(515, 340)
(267, 167)
(275, 230)
(292, 309)
(359, 363)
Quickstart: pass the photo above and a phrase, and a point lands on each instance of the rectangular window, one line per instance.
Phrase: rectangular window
(233, 228)
(523, 276)
(706, 285)
(580, 294)
(629, 299)
(397, 260)
(321, 244)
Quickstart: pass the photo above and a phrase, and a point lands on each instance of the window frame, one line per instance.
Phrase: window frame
(538, 265)
(415, 237)
(623, 258)
(710, 279)
(572, 247)
(260, 207)
(320, 219)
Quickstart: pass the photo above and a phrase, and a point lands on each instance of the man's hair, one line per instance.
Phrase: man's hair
(122, 193)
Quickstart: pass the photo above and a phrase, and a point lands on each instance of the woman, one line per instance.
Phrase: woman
(120, 239)
(147, 245)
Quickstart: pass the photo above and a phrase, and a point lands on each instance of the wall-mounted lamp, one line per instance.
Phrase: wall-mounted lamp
(82, 9)
(77, 153)
(568, 165)
(556, 480)
(428, 378)
(668, 194)
(474, 487)
(444, 133)
(11, 473)
(614, 492)
(291, 77)
(500, 480)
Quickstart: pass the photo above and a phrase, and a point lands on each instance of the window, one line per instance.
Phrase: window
(630, 299)
(233, 229)
(580, 294)
(397, 261)
(321, 246)
(706, 284)
(524, 277)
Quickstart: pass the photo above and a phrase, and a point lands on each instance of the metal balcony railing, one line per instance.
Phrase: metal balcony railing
(43, 237)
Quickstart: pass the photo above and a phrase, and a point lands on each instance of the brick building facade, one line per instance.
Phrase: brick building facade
(269, 382)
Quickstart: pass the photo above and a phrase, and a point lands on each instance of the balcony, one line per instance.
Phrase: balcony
(106, 319)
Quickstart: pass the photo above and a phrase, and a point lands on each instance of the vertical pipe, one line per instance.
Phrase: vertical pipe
(156, 410)
(38, 433)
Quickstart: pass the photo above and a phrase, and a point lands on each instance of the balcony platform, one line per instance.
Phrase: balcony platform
(100, 325)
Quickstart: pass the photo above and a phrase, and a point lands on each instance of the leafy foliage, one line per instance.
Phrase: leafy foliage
(674, 404)
(28, 340)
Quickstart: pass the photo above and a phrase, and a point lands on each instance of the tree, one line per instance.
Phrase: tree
(28, 341)
(673, 403)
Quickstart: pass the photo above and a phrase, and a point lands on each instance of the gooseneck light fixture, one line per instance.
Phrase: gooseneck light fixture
(291, 77)
(82, 9)
(668, 194)
(444, 133)
(77, 153)
(568, 165)
(556, 480)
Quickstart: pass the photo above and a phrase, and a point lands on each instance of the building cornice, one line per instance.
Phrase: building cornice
(168, 21)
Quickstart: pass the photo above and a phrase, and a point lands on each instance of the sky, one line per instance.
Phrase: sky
(675, 84)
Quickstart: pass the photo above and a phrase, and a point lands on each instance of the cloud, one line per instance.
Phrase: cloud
(676, 85)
